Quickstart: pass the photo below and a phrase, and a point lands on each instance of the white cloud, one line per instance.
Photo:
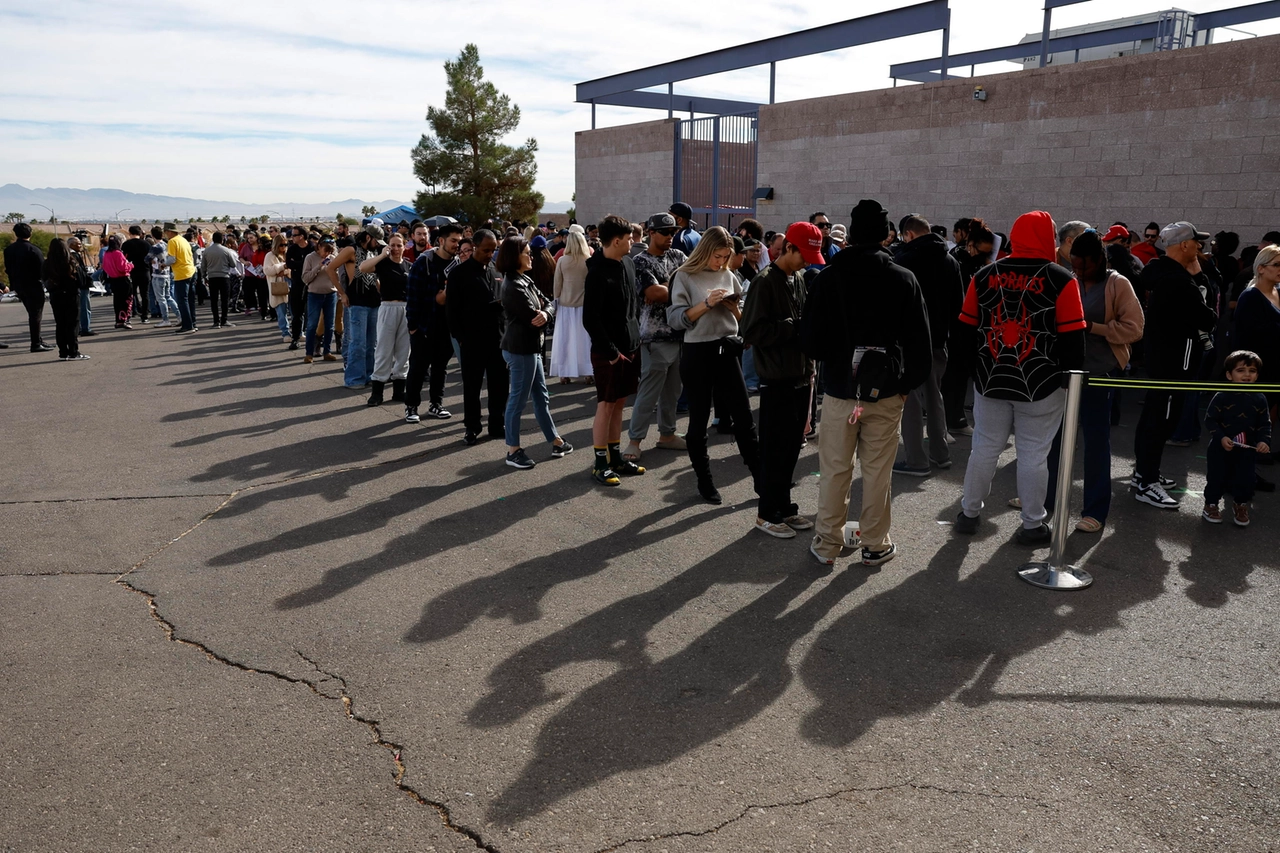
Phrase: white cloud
(322, 100)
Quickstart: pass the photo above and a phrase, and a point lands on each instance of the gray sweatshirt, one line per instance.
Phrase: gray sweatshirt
(687, 290)
(218, 261)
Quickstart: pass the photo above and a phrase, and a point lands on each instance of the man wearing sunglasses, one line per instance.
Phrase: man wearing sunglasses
(659, 344)
(1147, 251)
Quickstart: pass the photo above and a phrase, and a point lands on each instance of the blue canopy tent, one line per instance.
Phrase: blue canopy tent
(396, 215)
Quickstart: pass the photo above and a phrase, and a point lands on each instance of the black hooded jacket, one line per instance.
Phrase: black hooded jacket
(940, 281)
(863, 299)
(609, 306)
(1176, 315)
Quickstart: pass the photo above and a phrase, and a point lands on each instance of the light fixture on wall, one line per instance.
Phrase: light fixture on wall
(979, 94)
(765, 193)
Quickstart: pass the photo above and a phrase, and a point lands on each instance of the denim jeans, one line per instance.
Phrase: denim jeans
(162, 292)
(527, 380)
(86, 312)
(184, 292)
(282, 318)
(1095, 428)
(318, 304)
(360, 338)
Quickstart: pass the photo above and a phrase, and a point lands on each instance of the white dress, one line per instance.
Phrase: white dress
(570, 343)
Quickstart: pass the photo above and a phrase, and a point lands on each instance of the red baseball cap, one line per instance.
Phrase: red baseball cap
(806, 237)
(1116, 232)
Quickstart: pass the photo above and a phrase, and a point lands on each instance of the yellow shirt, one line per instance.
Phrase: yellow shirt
(185, 267)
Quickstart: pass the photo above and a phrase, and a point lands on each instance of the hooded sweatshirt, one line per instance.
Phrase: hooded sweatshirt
(863, 299)
(1176, 315)
(940, 281)
(1027, 313)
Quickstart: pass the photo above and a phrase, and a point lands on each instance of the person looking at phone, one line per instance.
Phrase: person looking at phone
(609, 316)
(704, 303)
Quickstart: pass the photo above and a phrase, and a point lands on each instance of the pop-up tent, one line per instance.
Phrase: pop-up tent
(396, 215)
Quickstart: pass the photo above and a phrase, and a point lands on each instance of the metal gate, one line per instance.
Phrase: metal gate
(715, 167)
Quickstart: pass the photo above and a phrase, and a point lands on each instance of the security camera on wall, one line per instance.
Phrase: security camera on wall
(979, 94)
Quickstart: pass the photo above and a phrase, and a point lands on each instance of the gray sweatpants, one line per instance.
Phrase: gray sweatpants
(1033, 426)
(660, 385)
(926, 399)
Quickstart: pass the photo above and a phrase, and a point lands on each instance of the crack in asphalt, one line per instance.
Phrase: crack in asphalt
(348, 709)
(348, 703)
(37, 501)
(807, 801)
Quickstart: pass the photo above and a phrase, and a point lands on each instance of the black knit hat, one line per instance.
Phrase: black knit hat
(868, 222)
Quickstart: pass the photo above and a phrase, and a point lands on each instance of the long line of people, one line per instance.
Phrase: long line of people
(883, 328)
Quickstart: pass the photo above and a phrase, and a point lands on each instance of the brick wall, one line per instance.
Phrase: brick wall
(1186, 134)
(625, 170)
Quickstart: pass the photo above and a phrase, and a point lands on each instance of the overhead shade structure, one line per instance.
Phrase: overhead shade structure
(626, 89)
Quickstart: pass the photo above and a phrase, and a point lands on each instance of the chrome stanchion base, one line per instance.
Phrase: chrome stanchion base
(1046, 577)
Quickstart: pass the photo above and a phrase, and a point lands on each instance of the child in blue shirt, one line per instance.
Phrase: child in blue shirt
(1239, 425)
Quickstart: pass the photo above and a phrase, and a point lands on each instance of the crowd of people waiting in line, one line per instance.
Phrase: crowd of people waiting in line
(884, 329)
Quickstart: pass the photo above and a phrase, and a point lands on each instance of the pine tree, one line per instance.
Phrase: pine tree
(466, 168)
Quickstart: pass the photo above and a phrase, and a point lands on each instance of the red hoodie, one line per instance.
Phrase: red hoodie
(1028, 315)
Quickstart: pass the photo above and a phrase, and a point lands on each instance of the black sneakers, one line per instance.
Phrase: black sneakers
(520, 460)
(875, 558)
(561, 450)
(438, 412)
(411, 414)
(1041, 535)
(966, 525)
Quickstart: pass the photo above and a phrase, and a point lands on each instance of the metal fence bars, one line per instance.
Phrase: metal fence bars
(715, 167)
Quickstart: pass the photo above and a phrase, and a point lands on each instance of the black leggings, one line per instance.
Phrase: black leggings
(712, 375)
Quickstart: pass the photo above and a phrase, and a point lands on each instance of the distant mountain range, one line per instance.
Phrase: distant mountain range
(99, 205)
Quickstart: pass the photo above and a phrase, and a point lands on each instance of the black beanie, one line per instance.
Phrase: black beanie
(868, 223)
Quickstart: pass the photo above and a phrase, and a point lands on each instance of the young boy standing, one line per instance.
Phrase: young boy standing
(1239, 424)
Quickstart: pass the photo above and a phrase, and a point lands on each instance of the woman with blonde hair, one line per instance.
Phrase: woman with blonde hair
(705, 298)
(277, 274)
(1257, 315)
(571, 345)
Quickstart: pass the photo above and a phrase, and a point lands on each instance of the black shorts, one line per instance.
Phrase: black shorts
(616, 381)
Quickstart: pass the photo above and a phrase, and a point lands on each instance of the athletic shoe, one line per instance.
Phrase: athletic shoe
(626, 468)
(1156, 496)
(798, 522)
(163, 324)
(1242, 515)
(411, 416)
(520, 460)
(224, 325)
(293, 345)
(1178, 442)
(910, 471)
(1165, 483)
(561, 450)
(942, 466)
(92, 334)
(471, 439)
(778, 531)
(1212, 514)
(966, 525)
(826, 561)
(78, 357)
(439, 413)
(876, 558)
(1041, 535)
(964, 430)
(41, 348)
(605, 477)
(812, 433)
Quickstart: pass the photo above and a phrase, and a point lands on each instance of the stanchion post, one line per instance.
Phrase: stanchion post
(1054, 574)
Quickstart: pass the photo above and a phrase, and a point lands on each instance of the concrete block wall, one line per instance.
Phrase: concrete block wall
(627, 170)
(1185, 134)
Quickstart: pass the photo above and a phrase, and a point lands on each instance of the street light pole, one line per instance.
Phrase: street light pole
(120, 211)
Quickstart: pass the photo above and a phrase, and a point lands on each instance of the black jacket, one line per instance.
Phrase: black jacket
(22, 263)
(864, 299)
(609, 306)
(771, 324)
(1176, 315)
(521, 301)
(940, 282)
(474, 307)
